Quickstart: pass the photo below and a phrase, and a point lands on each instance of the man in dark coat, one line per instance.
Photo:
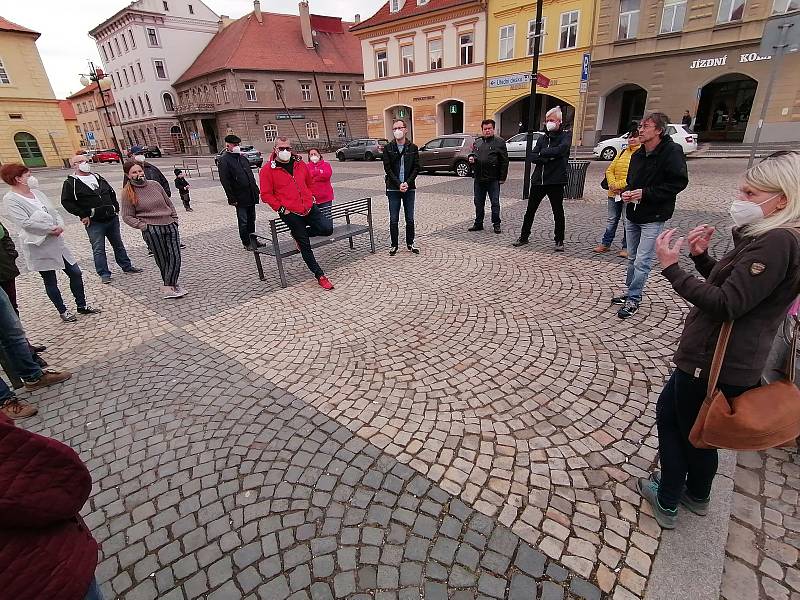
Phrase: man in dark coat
(489, 160)
(551, 156)
(240, 187)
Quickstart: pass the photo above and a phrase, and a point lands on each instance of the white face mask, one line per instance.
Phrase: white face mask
(85, 167)
(551, 126)
(398, 134)
(139, 158)
(236, 149)
(284, 155)
(314, 158)
(33, 183)
(743, 212)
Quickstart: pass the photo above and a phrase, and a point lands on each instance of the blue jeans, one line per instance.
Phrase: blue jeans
(615, 212)
(98, 232)
(395, 198)
(641, 254)
(94, 592)
(15, 345)
(75, 285)
(481, 189)
(326, 209)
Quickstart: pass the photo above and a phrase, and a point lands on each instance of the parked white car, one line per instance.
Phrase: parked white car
(609, 149)
(516, 144)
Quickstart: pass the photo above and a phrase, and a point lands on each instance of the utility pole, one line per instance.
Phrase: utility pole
(97, 76)
(526, 183)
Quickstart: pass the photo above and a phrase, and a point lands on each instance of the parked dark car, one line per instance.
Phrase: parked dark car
(254, 156)
(106, 156)
(447, 153)
(152, 152)
(362, 149)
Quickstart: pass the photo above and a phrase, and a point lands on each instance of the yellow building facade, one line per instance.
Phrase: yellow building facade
(32, 127)
(568, 27)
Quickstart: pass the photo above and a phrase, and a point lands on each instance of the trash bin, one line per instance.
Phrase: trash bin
(576, 178)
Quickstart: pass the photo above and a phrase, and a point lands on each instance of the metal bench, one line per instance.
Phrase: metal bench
(284, 247)
(189, 166)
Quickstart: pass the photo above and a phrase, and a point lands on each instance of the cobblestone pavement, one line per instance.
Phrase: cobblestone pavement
(466, 423)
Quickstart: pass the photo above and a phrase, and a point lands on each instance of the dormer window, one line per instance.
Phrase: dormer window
(394, 6)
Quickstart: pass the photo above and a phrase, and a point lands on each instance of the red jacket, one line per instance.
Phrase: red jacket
(292, 192)
(46, 550)
(321, 176)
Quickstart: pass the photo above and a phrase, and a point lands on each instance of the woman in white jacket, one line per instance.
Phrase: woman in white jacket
(41, 238)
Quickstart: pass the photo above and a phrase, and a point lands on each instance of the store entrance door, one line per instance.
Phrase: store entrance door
(724, 108)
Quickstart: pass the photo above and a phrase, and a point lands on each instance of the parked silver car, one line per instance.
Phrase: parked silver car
(362, 149)
(516, 144)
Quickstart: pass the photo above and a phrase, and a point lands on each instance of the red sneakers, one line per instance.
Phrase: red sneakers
(325, 283)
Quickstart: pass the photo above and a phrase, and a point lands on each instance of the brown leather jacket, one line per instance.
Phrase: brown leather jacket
(753, 285)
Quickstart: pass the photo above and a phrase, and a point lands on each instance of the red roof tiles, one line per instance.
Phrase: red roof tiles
(276, 44)
(67, 110)
(410, 9)
(6, 25)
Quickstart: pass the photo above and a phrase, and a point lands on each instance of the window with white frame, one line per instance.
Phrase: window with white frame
(191, 9)
(225, 92)
(124, 42)
(532, 35)
(135, 110)
(141, 104)
(4, 79)
(278, 90)
(133, 40)
(435, 54)
(116, 44)
(141, 73)
(394, 6)
(305, 91)
(161, 70)
(270, 133)
(345, 88)
(784, 6)
(312, 130)
(105, 54)
(628, 19)
(166, 6)
(250, 92)
(152, 36)
(127, 81)
(133, 74)
(341, 129)
(147, 101)
(361, 90)
(673, 15)
(111, 49)
(507, 34)
(382, 63)
(730, 10)
(568, 34)
(466, 48)
(407, 58)
(216, 95)
(330, 94)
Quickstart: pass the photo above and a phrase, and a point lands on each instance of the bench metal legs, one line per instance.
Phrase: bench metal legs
(281, 272)
(347, 220)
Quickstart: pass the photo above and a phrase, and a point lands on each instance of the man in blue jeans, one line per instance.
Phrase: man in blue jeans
(401, 165)
(15, 346)
(489, 162)
(657, 174)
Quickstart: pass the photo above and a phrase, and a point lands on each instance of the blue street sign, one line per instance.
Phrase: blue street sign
(90, 136)
(587, 62)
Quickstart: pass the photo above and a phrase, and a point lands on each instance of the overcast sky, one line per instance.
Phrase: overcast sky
(66, 47)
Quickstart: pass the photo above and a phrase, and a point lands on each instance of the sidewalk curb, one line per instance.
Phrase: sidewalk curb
(690, 558)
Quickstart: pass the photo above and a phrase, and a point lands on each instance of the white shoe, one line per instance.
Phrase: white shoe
(177, 292)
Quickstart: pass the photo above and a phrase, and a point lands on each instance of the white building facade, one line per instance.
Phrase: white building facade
(145, 47)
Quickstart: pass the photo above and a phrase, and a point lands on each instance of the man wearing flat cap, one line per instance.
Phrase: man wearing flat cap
(240, 187)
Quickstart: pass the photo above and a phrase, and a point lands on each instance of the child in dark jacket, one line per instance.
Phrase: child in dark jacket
(183, 187)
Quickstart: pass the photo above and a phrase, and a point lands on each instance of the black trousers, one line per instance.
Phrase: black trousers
(246, 217)
(681, 463)
(556, 195)
(303, 227)
(186, 200)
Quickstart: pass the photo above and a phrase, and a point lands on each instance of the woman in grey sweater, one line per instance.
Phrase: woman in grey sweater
(146, 207)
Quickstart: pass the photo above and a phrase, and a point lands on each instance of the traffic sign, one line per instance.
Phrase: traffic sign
(586, 66)
(90, 136)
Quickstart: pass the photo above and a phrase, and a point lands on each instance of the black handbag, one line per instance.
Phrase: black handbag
(604, 183)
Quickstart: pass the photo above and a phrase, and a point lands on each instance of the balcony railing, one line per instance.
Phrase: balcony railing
(195, 107)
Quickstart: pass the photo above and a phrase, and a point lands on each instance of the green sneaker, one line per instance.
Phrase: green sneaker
(649, 491)
(698, 507)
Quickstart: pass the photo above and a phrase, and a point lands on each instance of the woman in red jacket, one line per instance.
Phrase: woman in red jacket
(321, 187)
(45, 547)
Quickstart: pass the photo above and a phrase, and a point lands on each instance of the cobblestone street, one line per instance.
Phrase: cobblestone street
(468, 423)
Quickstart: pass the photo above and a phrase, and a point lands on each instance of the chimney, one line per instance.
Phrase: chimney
(257, 10)
(357, 19)
(305, 25)
(224, 21)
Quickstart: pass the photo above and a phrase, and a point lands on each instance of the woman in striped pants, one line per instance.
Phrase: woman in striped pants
(146, 207)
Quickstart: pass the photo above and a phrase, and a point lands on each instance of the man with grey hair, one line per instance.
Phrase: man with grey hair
(550, 155)
(657, 173)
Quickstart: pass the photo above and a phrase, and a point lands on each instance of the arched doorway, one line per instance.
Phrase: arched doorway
(618, 109)
(724, 108)
(449, 117)
(29, 150)
(513, 119)
(398, 112)
(177, 139)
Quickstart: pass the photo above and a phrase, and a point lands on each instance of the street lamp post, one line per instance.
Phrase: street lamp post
(97, 76)
(526, 182)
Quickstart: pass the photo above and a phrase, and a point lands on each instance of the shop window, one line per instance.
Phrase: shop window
(628, 19)
(730, 11)
(568, 36)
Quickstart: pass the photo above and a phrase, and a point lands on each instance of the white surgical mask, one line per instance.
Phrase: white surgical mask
(85, 167)
(284, 155)
(139, 158)
(236, 149)
(551, 126)
(743, 212)
(33, 182)
(314, 158)
(398, 134)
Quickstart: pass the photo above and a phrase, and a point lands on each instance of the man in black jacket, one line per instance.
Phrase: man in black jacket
(92, 199)
(489, 160)
(551, 156)
(240, 187)
(656, 175)
(401, 164)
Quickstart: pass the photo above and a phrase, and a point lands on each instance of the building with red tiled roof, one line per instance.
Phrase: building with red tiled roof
(71, 120)
(6, 25)
(93, 117)
(424, 62)
(267, 75)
